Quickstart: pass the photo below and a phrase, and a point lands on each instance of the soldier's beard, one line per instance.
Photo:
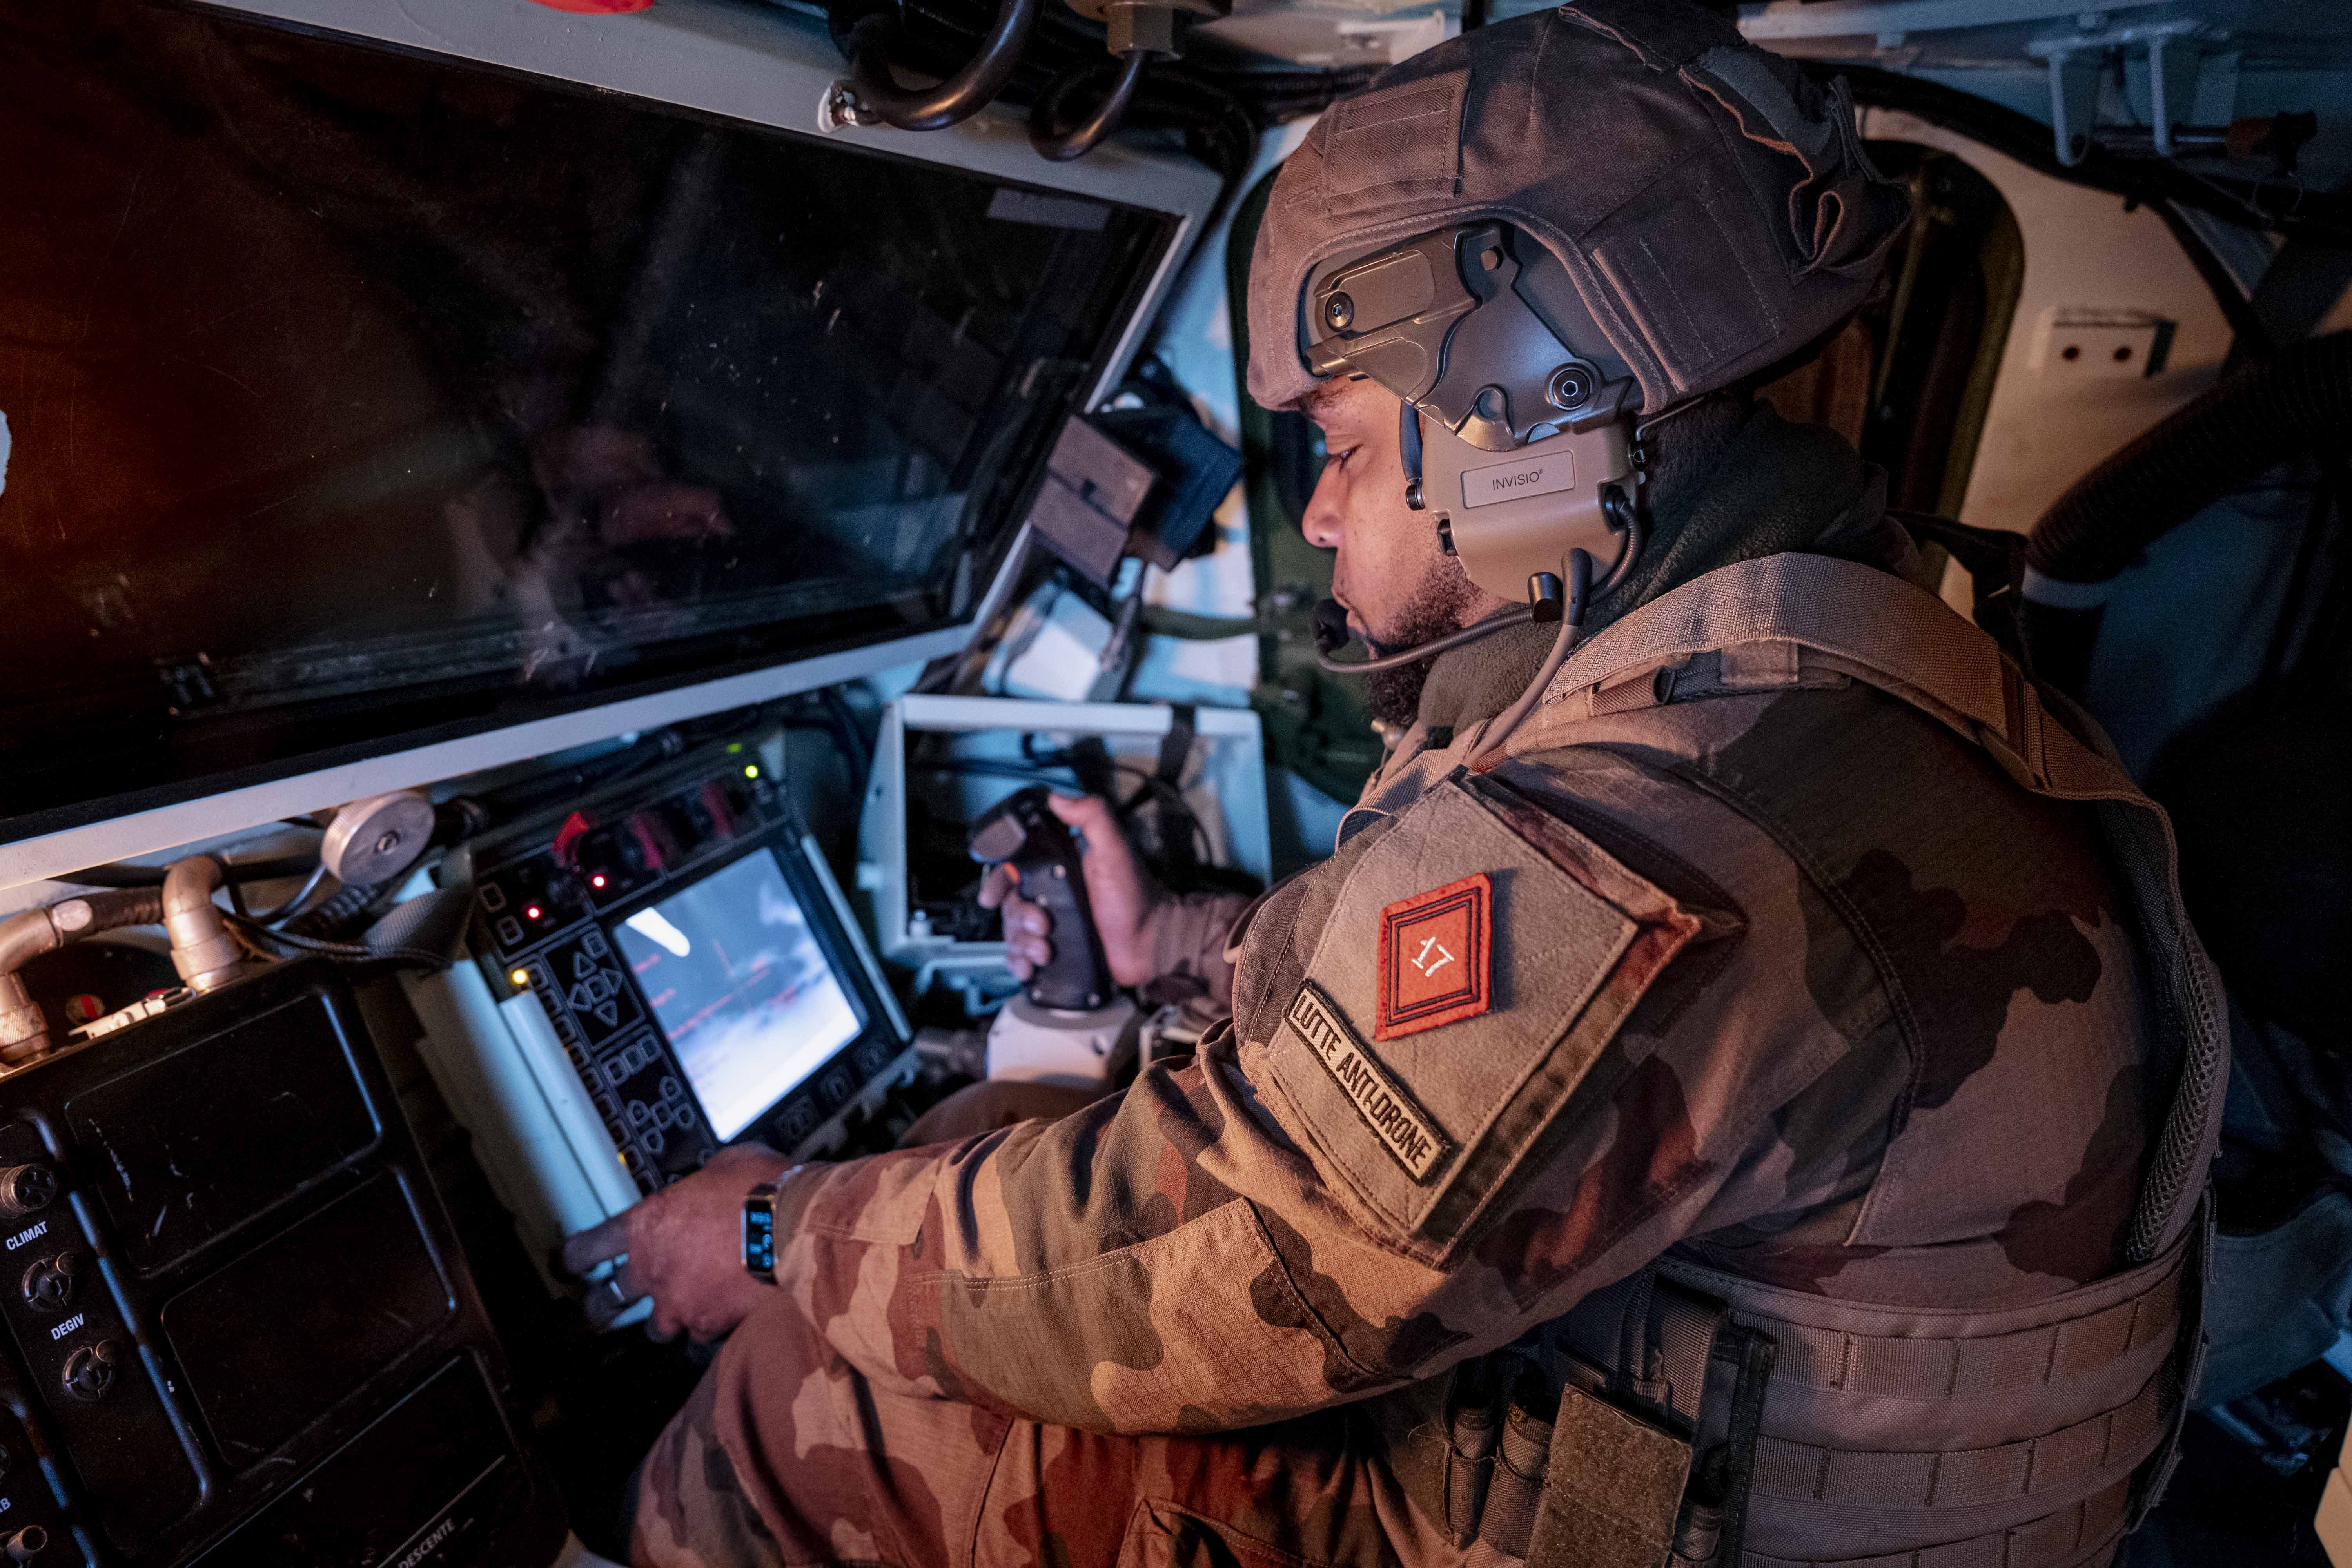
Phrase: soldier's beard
(1439, 604)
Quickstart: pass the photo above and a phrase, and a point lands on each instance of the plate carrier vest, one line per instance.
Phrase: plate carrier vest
(1706, 1418)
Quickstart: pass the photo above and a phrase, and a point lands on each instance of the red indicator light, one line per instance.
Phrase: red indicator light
(533, 912)
(597, 882)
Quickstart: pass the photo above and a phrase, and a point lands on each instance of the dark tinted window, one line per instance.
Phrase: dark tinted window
(354, 395)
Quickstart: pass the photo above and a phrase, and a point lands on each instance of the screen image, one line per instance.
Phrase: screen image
(737, 980)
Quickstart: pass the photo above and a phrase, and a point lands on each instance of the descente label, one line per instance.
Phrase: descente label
(1510, 481)
(1394, 1119)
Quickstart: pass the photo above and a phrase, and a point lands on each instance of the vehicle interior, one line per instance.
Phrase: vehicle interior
(501, 500)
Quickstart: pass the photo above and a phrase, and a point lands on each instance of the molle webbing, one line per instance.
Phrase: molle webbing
(1902, 1367)
(2037, 1466)
(2073, 1537)
(2012, 1441)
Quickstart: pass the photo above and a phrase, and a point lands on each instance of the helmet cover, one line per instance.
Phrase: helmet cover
(1712, 205)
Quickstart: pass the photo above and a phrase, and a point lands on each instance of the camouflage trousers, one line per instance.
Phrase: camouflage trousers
(787, 1455)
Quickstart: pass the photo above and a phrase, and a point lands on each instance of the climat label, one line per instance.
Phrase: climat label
(1541, 476)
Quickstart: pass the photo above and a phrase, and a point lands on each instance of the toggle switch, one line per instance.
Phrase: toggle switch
(50, 1284)
(25, 1188)
(89, 1371)
(27, 1543)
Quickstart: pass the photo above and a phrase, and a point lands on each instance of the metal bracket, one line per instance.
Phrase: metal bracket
(2074, 61)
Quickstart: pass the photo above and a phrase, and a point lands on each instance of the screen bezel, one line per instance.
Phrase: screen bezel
(833, 943)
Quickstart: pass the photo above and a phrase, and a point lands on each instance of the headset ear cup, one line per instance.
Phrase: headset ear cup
(1516, 515)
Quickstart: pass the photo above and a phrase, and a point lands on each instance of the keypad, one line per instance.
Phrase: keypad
(539, 913)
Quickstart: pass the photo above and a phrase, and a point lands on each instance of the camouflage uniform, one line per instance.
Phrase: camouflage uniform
(1781, 978)
(1750, 975)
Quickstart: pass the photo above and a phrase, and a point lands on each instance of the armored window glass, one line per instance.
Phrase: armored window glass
(355, 396)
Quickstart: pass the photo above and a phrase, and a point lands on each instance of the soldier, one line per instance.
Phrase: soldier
(1741, 1087)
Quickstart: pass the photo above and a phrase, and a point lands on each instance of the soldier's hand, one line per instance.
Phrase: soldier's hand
(684, 1247)
(1127, 902)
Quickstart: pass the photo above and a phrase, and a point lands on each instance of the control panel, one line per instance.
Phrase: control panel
(750, 1006)
(222, 1266)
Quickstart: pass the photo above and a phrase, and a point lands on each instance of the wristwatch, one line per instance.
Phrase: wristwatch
(760, 1227)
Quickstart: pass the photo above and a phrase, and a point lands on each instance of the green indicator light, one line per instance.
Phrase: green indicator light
(734, 748)
(751, 770)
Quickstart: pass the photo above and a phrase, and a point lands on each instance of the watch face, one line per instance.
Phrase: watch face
(760, 1233)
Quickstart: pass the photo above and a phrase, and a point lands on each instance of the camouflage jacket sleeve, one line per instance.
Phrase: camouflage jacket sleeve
(1392, 1160)
(1188, 950)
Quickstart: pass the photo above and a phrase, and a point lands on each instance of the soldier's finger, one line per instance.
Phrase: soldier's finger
(1107, 852)
(1089, 814)
(663, 1326)
(999, 881)
(596, 1244)
(606, 1300)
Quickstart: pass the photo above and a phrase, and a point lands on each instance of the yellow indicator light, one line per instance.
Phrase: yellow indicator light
(520, 977)
(751, 770)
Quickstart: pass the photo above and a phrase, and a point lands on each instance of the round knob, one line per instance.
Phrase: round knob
(50, 1283)
(89, 1371)
(27, 1543)
(24, 1188)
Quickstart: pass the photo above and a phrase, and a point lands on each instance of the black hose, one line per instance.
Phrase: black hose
(2296, 400)
(1059, 145)
(960, 95)
(857, 748)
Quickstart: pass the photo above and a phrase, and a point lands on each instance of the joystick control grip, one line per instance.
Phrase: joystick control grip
(1019, 831)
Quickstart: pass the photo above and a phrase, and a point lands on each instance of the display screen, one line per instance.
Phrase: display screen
(737, 980)
(348, 396)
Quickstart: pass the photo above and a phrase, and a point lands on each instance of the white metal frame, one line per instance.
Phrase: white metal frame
(1238, 766)
(767, 66)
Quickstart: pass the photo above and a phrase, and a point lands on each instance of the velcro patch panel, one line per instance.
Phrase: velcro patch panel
(1464, 984)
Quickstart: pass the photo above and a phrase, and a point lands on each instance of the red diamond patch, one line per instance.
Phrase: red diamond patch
(1436, 951)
